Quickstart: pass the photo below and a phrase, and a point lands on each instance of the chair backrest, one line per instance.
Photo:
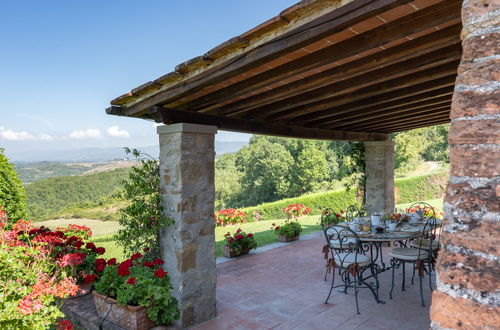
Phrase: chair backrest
(427, 209)
(354, 211)
(342, 241)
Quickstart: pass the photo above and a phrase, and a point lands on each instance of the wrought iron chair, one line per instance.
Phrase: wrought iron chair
(354, 211)
(424, 241)
(421, 256)
(346, 254)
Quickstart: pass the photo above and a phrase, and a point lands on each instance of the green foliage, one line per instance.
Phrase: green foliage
(289, 229)
(227, 182)
(143, 218)
(141, 282)
(239, 241)
(437, 149)
(266, 167)
(340, 199)
(47, 198)
(420, 188)
(12, 194)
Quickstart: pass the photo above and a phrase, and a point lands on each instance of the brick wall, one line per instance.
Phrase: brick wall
(468, 283)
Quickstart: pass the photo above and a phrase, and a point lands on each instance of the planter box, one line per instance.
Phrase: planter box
(128, 317)
(84, 289)
(228, 253)
(284, 238)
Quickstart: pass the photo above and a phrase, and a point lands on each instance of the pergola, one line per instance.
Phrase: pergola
(354, 70)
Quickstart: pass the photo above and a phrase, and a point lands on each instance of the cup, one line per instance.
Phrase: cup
(392, 225)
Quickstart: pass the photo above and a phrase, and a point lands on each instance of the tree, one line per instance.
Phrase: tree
(266, 167)
(310, 171)
(12, 194)
(227, 182)
(438, 149)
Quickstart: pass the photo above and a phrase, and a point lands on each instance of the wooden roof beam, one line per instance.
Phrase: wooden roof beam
(171, 116)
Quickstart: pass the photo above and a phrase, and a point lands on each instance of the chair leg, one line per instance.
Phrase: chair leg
(413, 276)
(331, 287)
(392, 281)
(404, 276)
(430, 277)
(326, 272)
(356, 279)
(421, 291)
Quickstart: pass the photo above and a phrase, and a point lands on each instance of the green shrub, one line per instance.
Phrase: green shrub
(407, 190)
(12, 194)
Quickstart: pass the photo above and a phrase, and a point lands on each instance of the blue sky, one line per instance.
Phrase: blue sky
(61, 62)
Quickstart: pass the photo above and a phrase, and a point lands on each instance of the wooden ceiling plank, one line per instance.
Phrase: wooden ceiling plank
(405, 81)
(412, 117)
(360, 117)
(418, 92)
(383, 58)
(371, 39)
(330, 23)
(171, 116)
(413, 126)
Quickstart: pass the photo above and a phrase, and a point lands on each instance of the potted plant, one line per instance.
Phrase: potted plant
(329, 217)
(289, 231)
(136, 294)
(294, 211)
(238, 244)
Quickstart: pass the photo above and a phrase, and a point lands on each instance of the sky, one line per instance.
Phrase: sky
(62, 62)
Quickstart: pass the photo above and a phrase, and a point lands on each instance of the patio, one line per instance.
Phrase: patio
(283, 288)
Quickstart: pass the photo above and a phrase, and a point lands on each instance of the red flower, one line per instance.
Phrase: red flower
(158, 262)
(112, 261)
(100, 264)
(250, 235)
(124, 268)
(277, 228)
(78, 244)
(90, 246)
(64, 325)
(146, 250)
(100, 250)
(160, 273)
(131, 280)
(239, 237)
(136, 256)
(90, 278)
(148, 264)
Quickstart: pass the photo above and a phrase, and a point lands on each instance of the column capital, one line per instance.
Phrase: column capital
(186, 128)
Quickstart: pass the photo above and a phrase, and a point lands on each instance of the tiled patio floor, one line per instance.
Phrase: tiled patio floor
(283, 288)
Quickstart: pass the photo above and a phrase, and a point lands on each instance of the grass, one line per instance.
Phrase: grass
(98, 227)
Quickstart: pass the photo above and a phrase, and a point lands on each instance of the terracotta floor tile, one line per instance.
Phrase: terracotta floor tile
(283, 288)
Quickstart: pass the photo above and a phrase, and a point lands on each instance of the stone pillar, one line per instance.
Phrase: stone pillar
(379, 176)
(468, 282)
(188, 247)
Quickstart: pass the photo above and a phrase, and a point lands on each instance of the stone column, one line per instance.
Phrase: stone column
(379, 176)
(468, 282)
(188, 247)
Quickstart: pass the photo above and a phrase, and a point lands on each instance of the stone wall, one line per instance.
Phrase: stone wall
(468, 290)
(188, 247)
(379, 176)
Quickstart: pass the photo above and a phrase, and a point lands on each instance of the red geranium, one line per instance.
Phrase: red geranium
(158, 262)
(136, 256)
(90, 246)
(100, 264)
(112, 261)
(90, 278)
(148, 264)
(131, 280)
(100, 250)
(160, 273)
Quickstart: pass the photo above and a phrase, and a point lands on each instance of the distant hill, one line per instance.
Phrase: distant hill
(101, 154)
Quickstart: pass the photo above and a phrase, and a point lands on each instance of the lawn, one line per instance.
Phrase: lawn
(103, 230)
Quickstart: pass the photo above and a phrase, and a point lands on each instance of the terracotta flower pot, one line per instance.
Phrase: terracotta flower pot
(229, 253)
(128, 317)
(83, 289)
(284, 238)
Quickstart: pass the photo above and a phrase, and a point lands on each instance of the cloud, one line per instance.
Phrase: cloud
(45, 137)
(15, 136)
(115, 131)
(90, 133)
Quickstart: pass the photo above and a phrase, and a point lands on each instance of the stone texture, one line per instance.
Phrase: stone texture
(187, 168)
(467, 296)
(480, 162)
(379, 176)
(458, 313)
(468, 271)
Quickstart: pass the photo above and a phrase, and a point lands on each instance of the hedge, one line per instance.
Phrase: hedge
(407, 190)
